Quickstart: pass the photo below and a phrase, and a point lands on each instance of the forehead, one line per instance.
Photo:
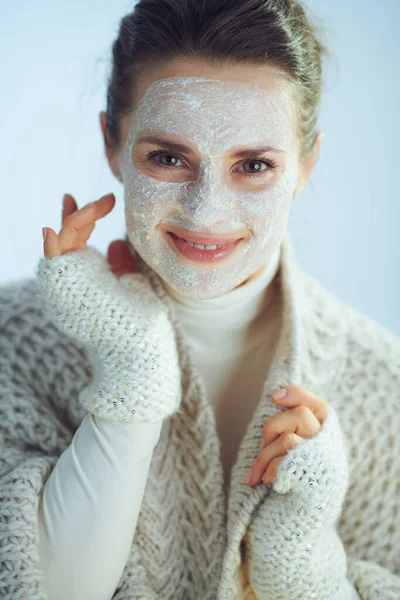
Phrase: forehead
(209, 111)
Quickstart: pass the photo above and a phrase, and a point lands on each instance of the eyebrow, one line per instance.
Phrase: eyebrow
(246, 153)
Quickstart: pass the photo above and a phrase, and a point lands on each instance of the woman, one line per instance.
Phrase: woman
(202, 420)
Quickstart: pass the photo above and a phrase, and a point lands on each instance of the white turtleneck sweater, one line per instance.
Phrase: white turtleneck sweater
(233, 339)
(95, 490)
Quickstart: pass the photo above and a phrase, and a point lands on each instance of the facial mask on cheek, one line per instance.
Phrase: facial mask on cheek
(214, 116)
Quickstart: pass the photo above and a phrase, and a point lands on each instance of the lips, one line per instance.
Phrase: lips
(205, 239)
(205, 255)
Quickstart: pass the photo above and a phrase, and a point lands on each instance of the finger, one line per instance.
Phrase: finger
(75, 240)
(93, 210)
(69, 207)
(120, 258)
(297, 395)
(272, 469)
(78, 226)
(300, 420)
(51, 247)
(279, 447)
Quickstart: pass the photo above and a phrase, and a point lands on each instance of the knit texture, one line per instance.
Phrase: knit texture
(192, 541)
(127, 333)
(307, 497)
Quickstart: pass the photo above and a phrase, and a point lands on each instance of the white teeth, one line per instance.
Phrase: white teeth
(200, 247)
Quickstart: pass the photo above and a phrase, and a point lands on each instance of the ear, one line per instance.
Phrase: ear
(109, 150)
(307, 163)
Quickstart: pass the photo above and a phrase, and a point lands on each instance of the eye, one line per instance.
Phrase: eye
(270, 165)
(153, 154)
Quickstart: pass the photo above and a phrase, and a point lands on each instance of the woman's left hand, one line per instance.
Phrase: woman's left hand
(286, 430)
(292, 542)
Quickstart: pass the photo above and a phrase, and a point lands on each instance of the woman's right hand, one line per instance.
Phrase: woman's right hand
(77, 225)
(120, 321)
(119, 257)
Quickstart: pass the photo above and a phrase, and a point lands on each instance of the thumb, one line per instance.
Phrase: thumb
(120, 258)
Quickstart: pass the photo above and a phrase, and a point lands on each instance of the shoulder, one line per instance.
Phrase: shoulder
(36, 358)
(23, 312)
(372, 351)
(24, 323)
(373, 361)
(24, 320)
(21, 300)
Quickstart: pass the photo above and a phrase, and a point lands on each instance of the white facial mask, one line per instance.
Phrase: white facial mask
(214, 116)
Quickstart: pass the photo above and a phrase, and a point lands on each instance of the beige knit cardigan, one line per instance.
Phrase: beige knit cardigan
(191, 541)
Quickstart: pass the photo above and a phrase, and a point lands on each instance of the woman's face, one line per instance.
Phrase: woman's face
(208, 187)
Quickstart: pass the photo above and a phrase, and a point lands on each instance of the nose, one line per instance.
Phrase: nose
(205, 201)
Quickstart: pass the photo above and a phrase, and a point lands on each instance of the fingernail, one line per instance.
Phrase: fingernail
(44, 233)
(248, 477)
(279, 394)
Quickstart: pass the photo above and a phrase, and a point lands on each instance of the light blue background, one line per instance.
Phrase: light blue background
(54, 65)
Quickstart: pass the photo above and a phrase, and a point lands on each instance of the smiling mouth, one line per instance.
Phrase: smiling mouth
(208, 254)
(200, 246)
(203, 240)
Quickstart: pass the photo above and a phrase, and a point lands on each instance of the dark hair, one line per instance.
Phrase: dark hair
(250, 32)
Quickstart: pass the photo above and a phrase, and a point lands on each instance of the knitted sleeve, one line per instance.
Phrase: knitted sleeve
(126, 330)
(42, 373)
(307, 555)
(295, 551)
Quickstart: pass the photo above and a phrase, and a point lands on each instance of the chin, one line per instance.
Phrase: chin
(199, 293)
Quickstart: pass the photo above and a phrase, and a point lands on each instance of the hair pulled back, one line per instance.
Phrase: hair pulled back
(276, 33)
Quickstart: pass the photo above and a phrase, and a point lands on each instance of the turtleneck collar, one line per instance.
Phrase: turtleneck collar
(218, 327)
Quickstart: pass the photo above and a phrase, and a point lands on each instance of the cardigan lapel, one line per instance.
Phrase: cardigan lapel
(307, 324)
